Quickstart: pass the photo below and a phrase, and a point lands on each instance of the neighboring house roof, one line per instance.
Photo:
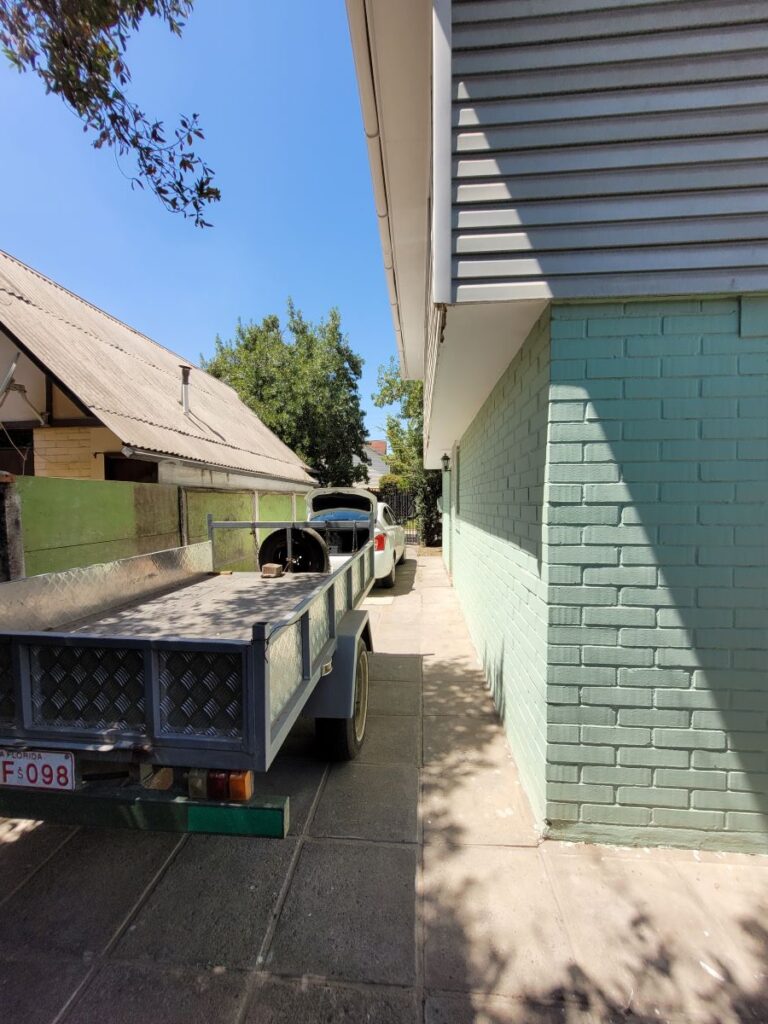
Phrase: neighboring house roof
(133, 385)
(377, 469)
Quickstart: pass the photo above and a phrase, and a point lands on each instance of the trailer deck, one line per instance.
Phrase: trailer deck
(222, 607)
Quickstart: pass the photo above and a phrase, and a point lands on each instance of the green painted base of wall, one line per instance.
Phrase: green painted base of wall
(686, 839)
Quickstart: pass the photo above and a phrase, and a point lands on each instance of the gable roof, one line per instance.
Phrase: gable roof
(133, 385)
(378, 468)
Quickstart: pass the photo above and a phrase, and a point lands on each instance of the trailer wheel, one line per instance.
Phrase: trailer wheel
(342, 738)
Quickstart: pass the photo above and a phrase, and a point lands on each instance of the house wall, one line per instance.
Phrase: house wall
(632, 133)
(496, 549)
(73, 452)
(657, 543)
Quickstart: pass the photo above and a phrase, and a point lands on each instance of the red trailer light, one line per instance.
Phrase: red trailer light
(218, 785)
(379, 542)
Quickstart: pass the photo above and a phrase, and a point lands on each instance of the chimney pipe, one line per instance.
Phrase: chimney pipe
(185, 371)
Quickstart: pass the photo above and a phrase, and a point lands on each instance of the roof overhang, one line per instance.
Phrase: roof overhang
(391, 42)
(479, 341)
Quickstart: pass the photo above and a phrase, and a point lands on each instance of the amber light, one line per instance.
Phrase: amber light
(240, 785)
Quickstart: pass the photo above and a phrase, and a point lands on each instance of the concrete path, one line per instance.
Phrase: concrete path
(412, 889)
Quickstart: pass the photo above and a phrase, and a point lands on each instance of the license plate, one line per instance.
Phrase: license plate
(37, 769)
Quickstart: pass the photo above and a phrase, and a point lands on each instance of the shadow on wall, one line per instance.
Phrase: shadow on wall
(672, 421)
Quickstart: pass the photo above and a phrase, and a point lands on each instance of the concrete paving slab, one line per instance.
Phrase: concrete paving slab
(24, 845)
(491, 923)
(480, 1009)
(213, 905)
(456, 742)
(288, 1002)
(33, 991)
(130, 994)
(642, 940)
(349, 914)
(75, 902)
(393, 698)
(396, 668)
(391, 739)
(362, 801)
(482, 805)
(460, 694)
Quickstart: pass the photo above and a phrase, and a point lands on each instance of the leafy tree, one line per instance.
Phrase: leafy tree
(405, 439)
(77, 48)
(304, 388)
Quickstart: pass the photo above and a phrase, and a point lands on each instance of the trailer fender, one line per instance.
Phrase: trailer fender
(334, 695)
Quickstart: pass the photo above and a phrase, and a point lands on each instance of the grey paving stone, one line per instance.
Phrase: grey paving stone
(32, 992)
(396, 667)
(75, 902)
(394, 698)
(455, 742)
(349, 914)
(296, 777)
(289, 1002)
(129, 994)
(476, 1009)
(24, 845)
(213, 905)
(362, 801)
(391, 739)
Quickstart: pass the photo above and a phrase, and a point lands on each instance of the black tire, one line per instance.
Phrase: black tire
(341, 739)
(309, 551)
(402, 557)
(387, 582)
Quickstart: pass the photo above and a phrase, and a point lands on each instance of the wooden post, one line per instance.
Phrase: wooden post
(11, 538)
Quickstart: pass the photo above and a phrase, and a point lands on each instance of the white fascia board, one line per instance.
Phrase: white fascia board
(391, 41)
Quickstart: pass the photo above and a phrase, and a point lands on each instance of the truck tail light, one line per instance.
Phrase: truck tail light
(379, 542)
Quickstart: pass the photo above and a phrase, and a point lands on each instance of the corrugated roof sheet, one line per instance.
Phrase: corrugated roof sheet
(133, 385)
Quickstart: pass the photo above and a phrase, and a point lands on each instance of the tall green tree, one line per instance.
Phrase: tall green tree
(78, 49)
(304, 385)
(405, 441)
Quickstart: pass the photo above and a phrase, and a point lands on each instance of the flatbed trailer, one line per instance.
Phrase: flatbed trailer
(159, 662)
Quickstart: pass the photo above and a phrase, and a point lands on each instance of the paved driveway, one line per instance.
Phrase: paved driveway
(412, 888)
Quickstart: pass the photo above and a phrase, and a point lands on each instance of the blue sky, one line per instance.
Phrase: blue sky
(275, 88)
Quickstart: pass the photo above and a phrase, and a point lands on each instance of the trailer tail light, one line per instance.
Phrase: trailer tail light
(240, 785)
(379, 542)
(218, 785)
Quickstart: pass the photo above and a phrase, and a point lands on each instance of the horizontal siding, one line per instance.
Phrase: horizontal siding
(618, 140)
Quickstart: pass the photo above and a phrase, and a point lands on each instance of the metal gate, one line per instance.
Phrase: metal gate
(403, 505)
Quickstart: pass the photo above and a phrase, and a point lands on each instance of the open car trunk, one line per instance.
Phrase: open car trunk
(343, 516)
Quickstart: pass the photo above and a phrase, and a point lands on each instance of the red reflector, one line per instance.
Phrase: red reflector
(218, 785)
(379, 542)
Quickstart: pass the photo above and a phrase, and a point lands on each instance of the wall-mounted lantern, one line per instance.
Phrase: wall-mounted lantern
(446, 462)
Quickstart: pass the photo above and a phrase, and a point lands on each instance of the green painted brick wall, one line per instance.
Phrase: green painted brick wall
(495, 549)
(655, 550)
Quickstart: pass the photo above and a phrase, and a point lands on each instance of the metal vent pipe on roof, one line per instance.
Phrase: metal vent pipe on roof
(185, 371)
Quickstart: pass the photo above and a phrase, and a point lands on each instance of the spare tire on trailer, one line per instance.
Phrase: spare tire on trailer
(309, 552)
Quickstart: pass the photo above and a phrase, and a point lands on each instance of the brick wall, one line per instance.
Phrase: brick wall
(73, 452)
(495, 549)
(655, 544)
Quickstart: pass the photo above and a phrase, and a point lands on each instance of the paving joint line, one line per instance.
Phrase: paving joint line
(101, 957)
(277, 910)
(41, 865)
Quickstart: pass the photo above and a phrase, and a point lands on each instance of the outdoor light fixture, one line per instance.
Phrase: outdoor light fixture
(446, 462)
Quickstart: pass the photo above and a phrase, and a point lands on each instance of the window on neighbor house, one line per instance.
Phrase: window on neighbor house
(137, 471)
(17, 453)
